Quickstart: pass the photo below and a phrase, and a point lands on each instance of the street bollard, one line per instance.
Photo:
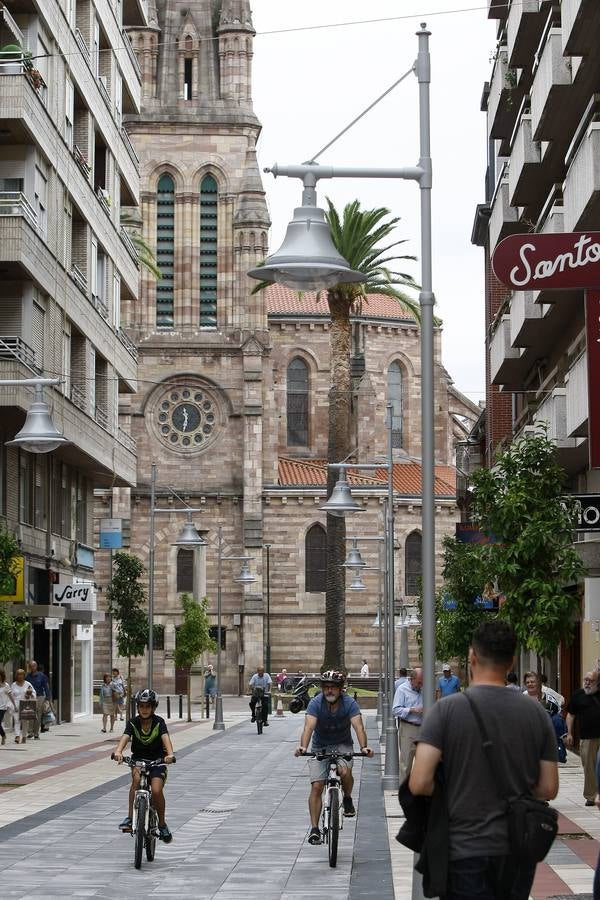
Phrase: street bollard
(181, 706)
(168, 707)
(207, 706)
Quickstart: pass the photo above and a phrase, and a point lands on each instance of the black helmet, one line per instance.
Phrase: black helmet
(332, 676)
(146, 696)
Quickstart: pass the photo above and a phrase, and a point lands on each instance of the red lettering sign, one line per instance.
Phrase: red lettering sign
(592, 329)
(527, 262)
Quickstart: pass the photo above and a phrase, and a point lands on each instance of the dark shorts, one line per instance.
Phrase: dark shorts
(157, 772)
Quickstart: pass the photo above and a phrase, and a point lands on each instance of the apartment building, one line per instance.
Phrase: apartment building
(543, 123)
(68, 267)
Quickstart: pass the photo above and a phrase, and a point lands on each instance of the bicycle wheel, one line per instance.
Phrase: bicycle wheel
(334, 826)
(151, 836)
(140, 829)
(259, 718)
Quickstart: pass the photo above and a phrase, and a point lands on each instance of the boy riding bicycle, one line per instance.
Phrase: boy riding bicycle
(149, 741)
(329, 717)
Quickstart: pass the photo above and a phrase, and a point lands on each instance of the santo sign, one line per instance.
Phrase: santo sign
(527, 262)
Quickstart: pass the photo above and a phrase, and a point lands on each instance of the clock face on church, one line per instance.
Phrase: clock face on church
(186, 418)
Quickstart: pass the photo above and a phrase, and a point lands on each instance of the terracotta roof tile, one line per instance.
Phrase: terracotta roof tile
(284, 301)
(406, 477)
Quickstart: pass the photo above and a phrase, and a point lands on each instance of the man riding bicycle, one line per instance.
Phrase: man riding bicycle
(260, 682)
(328, 719)
(149, 741)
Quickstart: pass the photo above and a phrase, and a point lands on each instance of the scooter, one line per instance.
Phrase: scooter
(301, 697)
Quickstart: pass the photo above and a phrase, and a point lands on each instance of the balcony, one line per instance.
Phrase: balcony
(131, 248)
(81, 160)
(101, 305)
(81, 43)
(576, 382)
(553, 411)
(12, 26)
(124, 438)
(135, 13)
(101, 417)
(79, 278)
(504, 98)
(14, 347)
(127, 343)
(104, 198)
(15, 203)
(131, 53)
(503, 217)
(103, 85)
(505, 366)
(525, 177)
(130, 148)
(580, 26)
(582, 185)
(78, 397)
(497, 9)
(525, 317)
(550, 89)
(523, 31)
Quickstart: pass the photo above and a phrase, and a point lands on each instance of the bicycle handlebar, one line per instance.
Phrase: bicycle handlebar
(131, 761)
(322, 756)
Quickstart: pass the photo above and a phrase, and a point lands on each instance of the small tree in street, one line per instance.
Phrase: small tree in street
(521, 502)
(193, 639)
(126, 599)
(12, 630)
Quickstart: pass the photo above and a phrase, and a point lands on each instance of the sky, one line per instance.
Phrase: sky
(310, 83)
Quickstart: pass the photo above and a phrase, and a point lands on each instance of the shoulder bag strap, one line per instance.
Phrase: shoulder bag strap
(497, 772)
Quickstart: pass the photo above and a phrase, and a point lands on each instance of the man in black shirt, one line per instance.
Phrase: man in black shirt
(584, 706)
(149, 741)
(480, 863)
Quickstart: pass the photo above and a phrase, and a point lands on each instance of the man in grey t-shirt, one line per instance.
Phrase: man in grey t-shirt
(480, 862)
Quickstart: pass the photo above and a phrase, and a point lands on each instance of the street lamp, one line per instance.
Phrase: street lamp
(39, 434)
(267, 547)
(189, 537)
(245, 577)
(301, 265)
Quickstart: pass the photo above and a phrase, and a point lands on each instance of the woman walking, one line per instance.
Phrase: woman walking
(118, 692)
(6, 697)
(21, 690)
(107, 703)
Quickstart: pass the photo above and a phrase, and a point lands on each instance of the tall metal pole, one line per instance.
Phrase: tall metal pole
(380, 626)
(219, 724)
(151, 577)
(391, 771)
(268, 647)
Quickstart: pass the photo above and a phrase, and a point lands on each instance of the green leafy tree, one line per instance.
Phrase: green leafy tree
(521, 502)
(12, 629)
(193, 639)
(146, 254)
(126, 601)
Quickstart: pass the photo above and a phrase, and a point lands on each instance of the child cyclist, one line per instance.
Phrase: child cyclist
(149, 741)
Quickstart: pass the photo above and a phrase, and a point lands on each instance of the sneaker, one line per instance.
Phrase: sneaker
(126, 824)
(589, 803)
(253, 719)
(266, 724)
(314, 836)
(164, 833)
(349, 810)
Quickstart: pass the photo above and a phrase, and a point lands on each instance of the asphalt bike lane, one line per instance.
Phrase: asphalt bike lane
(237, 807)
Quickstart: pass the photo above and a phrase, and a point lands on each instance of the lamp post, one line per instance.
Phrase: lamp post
(267, 547)
(189, 537)
(307, 260)
(39, 434)
(245, 577)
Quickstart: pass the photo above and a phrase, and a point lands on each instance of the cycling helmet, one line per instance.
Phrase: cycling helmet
(332, 676)
(146, 696)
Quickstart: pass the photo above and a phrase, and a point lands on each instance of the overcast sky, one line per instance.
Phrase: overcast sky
(309, 84)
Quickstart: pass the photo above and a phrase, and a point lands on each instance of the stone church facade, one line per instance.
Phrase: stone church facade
(231, 401)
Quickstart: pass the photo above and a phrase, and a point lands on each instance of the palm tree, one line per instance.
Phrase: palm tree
(357, 237)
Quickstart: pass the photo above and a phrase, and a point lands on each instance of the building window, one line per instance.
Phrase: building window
(316, 559)
(213, 631)
(40, 513)
(412, 564)
(81, 511)
(209, 197)
(188, 66)
(56, 505)
(297, 403)
(185, 570)
(158, 637)
(165, 251)
(395, 398)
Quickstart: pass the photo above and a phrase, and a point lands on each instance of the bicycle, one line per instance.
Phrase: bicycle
(144, 827)
(258, 693)
(333, 806)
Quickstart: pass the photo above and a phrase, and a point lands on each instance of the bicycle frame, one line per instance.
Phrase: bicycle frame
(144, 789)
(333, 784)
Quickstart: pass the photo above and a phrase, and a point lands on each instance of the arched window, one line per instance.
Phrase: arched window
(209, 196)
(185, 570)
(297, 403)
(412, 564)
(315, 559)
(165, 251)
(395, 398)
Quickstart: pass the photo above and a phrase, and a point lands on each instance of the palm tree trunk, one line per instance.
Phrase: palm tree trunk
(338, 448)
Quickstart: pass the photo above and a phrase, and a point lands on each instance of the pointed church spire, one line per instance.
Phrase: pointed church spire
(236, 34)
(236, 16)
(252, 207)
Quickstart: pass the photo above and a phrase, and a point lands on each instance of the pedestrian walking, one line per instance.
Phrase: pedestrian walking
(584, 708)
(6, 701)
(364, 672)
(41, 685)
(512, 681)
(118, 693)
(408, 709)
(448, 683)
(107, 703)
(22, 690)
(210, 684)
(480, 864)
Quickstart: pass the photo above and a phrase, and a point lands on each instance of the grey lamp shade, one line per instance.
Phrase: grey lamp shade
(307, 260)
(341, 500)
(189, 537)
(357, 583)
(39, 434)
(245, 576)
(354, 560)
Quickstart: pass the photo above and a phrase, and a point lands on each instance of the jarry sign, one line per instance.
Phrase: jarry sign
(561, 262)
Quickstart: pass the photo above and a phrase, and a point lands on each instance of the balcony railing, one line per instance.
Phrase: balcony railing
(101, 305)
(81, 160)
(127, 343)
(14, 347)
(12, 26)
(78, 397)
(103, 85)
(104, 198)
(551, 84)
(82, 45)
(124, 438)
(130, 246)
(577, 397)
(582, 184)
(15, 203)
(79, 278)
(101, 417)
(131, 54)
(130, 148)
(553, 412)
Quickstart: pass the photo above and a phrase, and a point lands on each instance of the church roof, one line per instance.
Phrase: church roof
(298, 473)
(283, 301)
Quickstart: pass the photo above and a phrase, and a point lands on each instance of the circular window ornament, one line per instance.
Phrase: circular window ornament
(186, 418)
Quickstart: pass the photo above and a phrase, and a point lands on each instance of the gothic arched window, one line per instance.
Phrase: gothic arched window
(395, 398)
(185, 570)
(412, 564)
(209, 197)
(165, 251)
(297, 403)
(315, 555)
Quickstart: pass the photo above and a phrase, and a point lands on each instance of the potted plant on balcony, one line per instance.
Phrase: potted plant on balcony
(36, 79)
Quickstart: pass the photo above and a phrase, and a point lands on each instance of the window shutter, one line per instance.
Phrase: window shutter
(38, 322)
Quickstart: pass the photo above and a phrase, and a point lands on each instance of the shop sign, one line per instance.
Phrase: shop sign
(77, 595)
(51, 624)
(526, 262)
(83, 633)
(16, 588)
(588, 511)
(111, 534)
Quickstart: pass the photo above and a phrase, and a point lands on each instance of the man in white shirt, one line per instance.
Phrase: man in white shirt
(364, 672)
(408, 709)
